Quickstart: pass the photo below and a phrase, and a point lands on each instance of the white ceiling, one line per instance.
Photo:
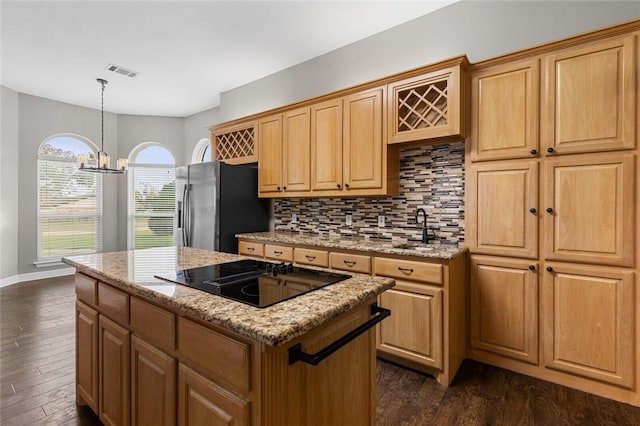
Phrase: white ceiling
(187, 53)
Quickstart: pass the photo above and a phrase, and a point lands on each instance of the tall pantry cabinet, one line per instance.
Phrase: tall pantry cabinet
(552, 215)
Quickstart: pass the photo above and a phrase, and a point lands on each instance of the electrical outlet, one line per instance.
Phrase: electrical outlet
(380, 221)
(294, 218)
(348, 220)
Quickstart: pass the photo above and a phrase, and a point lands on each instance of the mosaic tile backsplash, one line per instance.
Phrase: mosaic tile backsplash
(431, 177)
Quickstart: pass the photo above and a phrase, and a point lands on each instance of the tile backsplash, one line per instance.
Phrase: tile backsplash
(431, 177)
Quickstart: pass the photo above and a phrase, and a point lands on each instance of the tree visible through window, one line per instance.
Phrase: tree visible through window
(69, 201)
(152, 188)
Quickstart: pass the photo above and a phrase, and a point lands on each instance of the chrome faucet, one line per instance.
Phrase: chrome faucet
(425, 234)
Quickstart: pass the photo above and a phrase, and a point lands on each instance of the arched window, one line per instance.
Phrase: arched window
(69, 200)
(152, 196)
(202, 151)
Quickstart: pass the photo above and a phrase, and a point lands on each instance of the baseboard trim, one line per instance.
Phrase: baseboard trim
(16, 279)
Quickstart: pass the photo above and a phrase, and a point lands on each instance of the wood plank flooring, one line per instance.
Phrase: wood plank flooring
(37, 361)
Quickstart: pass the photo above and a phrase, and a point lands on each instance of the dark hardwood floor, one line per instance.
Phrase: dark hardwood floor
(37, 361)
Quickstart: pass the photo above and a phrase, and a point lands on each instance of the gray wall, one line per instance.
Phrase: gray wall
(196, 127)
(479, 29)
(9, 212)
(134, 130)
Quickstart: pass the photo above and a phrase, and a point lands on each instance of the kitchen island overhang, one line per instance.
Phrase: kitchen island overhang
(233, 356)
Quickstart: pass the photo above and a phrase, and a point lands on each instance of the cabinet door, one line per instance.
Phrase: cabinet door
(114, 373)
(203, 402)
(270, 155)
(326, 145)
(153, 385)
(503, 208)
(588, 318)
(504, 111)
(589, 205)
(414, 331)
(362, 138)
(589, 104)
(426, 106)
(87, 355)
(296, 152)
(504, 307)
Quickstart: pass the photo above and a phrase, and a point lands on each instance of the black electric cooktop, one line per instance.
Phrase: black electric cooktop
(254, 282)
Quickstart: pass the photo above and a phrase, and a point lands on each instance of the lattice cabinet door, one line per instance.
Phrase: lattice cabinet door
(426, 106)
(235, 145)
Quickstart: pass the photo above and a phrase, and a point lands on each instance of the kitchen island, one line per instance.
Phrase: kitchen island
(154, 352)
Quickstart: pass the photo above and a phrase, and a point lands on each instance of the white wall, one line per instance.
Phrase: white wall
(479, 29)
(134, 130)
(9, 212)
(196, 127)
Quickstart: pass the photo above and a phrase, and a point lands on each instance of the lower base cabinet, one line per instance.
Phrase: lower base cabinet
(86, 356)
(153, 385)
(114, 373)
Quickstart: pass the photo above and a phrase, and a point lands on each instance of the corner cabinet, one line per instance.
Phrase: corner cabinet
(428, 106)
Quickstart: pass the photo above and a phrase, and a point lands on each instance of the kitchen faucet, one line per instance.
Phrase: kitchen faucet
(425, 235)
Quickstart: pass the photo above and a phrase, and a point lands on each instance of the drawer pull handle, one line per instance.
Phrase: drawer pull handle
(309, 257)
(251, 249)
(277, 252)
(349, 263)
(297, 354)
(405, 270)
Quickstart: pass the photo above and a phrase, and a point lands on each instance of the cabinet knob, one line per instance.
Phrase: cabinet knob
(278, 188)
(532, 267)
(284, 188)
(532, 210)
(549, 269)
(550, 150)
(549, 210)
(346, 185)
(533, 151)
(339, 186)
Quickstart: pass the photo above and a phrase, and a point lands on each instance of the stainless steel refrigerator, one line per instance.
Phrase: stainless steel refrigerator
(214, 202)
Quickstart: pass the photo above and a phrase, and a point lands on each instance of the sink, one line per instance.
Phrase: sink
(413, 246)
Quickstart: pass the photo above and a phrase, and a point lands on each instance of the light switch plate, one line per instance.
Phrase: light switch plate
(294, 218)
(348, 221)
(381, 221)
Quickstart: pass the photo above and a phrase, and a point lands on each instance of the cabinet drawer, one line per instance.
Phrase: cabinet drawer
(152, 323)
(251, 249)
(351, 262)
(87, 289)
(408, 270)
(225, 360)
(113, 303)
(311, 257)
(278, 252)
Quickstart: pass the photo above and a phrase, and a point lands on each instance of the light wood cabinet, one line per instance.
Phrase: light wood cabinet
(296, 152)
(350, 262)
(503, 313)
(234, 144)
(326, 146)
(590, 98)
(251, 249)
(270, 156)
(203, 402)
(153, 385)
(504, 111)
(275, 252)
(590, 209)
(86, 356)
(502, 208)
(427, 106)
(114, 373)
(306, 256)
(589, 322)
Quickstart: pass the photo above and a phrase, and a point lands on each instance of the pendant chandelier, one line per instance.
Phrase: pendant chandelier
(89, 163)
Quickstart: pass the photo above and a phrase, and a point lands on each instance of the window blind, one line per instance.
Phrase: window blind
(152, 194)
(69, 209)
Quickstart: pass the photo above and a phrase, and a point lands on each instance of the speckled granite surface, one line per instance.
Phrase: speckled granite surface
(134, 272)
(431, 251)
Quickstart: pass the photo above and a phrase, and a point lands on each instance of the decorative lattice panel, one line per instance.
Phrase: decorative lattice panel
(235, 144)
(423, 107)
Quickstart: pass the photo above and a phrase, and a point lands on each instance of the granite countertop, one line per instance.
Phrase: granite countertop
(431, 251)
(278, 324)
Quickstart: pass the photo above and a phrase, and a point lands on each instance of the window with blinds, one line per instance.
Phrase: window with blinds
(152, 195)
(69, 201)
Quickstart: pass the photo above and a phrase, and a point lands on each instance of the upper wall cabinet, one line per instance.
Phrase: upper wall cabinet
(504, 111)
(235, 144)
(326, 145)
(428, 106)
(590, 97)
(296, 150)
(270, 155)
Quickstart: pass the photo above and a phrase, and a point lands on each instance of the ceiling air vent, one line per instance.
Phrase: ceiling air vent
(122, 71)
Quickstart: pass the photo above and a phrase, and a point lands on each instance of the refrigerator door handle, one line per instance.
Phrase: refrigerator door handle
(185, 215)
